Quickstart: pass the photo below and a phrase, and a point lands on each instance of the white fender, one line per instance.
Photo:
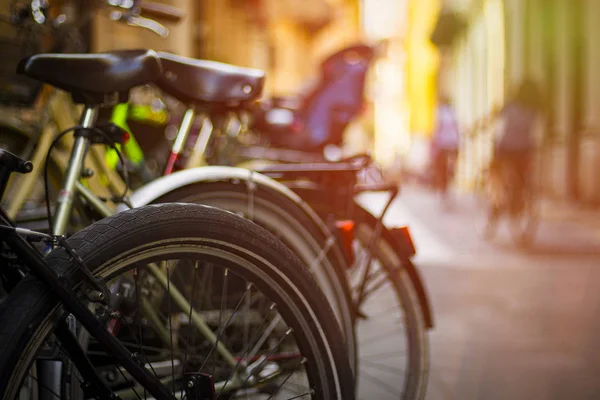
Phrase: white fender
(163, 185)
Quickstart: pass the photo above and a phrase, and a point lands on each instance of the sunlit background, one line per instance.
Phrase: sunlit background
(496, 43)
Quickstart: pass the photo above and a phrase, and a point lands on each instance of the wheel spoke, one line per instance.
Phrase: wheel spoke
(382, 367)
(170, 327)
(190, 330)
(264, 336)
(245, 351)
(125, 379)
(380, 382)
(380, 335)
(375, 287)
(221, 330)
(139, 316)
(271, 351)
(309, 393)
(302, 362)
(384, 355)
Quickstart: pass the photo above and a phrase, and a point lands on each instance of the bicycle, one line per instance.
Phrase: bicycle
(78, 281)
(328, 188)
(302, 232)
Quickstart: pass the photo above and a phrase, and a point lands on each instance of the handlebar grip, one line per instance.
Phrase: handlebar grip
(161, 11)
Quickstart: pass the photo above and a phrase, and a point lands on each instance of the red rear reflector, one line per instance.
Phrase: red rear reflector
(346, 232)
(404, 238)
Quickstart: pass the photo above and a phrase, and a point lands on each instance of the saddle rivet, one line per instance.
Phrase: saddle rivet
(247, 89)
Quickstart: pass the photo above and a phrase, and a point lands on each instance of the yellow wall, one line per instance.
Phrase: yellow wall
(422, 65)
(230, 35)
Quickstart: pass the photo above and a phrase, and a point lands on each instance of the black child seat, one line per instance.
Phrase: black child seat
(91, 77)
(201, 82)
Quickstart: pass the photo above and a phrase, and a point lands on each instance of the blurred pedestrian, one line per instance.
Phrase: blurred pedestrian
(445, 145)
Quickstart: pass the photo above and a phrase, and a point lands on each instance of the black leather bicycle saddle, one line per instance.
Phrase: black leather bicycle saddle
(200, 81)
(89, 77)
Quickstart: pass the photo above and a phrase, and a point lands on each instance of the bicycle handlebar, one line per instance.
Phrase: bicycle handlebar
(128, 11)
(161, 11)
(141, 22)
(132, 14)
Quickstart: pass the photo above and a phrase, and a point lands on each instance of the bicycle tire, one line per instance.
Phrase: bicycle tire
(27, 315)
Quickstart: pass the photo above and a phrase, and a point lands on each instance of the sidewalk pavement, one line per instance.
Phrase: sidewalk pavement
(563, 211)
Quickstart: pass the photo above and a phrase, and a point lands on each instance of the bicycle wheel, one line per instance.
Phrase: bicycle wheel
(316, 248)
(181, 276)
(393, 353)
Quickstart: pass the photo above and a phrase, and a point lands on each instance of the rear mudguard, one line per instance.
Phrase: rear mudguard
(166, 184)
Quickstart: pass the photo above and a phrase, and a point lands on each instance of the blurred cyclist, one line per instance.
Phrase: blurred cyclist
(516, 142)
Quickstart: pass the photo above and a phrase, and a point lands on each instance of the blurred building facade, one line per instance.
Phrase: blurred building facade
(387, 125)
(553, 42)
(109, 35)
(287, 38)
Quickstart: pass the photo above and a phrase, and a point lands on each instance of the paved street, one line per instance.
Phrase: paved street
(510, 324)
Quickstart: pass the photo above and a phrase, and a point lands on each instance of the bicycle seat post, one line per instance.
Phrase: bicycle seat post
(74, 168)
